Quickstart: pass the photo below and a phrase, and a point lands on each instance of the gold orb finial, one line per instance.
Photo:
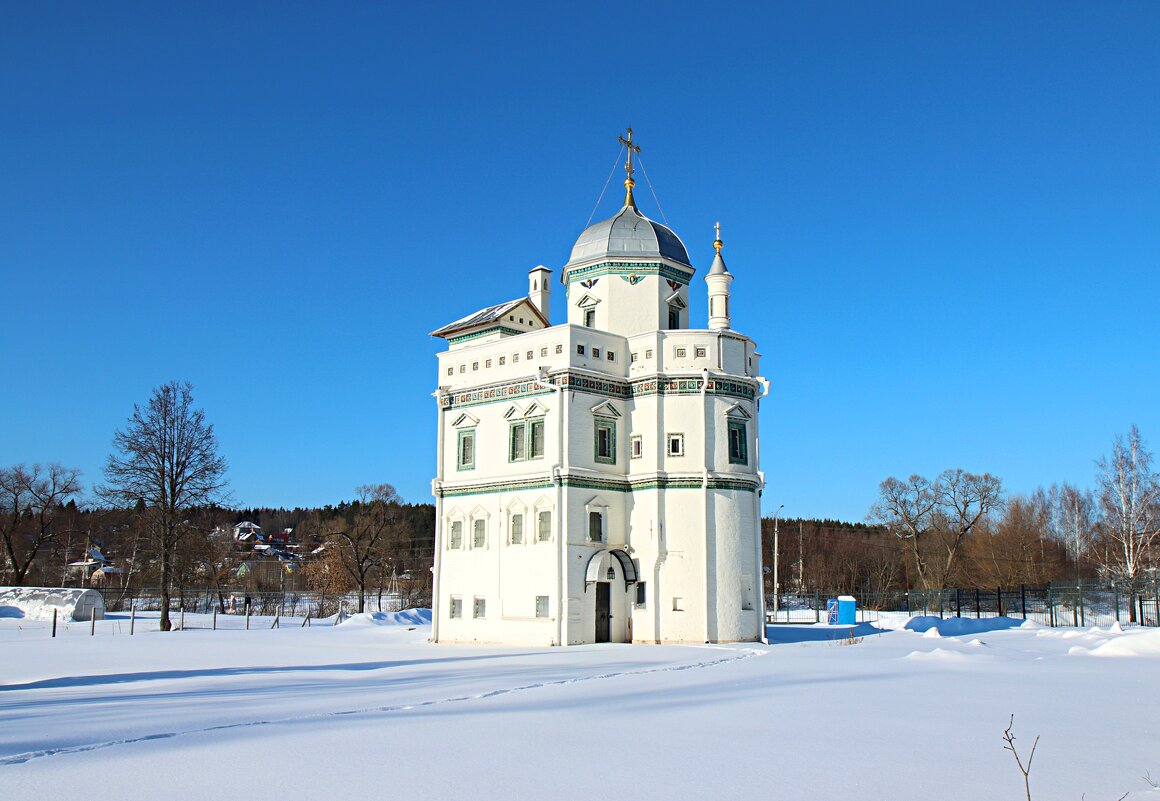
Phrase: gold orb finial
(717, 243)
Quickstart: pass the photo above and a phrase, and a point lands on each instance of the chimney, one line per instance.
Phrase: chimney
(539, 289)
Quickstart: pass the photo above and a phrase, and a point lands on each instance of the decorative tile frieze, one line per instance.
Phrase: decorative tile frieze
(747, 484)
(626, 268)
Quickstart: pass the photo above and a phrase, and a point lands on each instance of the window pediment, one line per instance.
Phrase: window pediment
(465, 420)
(606, 409)
(737, 412)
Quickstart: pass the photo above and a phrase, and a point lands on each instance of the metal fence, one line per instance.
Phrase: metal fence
(1080, 605)
(284, 604)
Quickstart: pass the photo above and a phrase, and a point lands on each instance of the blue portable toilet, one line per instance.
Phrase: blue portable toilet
(847, 610)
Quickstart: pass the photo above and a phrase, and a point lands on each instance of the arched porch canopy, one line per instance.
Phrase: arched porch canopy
(601, 560)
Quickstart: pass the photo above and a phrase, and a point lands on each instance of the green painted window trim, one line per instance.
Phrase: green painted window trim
(526, 439)
(739, 455)
(601, 423)
(460, 464)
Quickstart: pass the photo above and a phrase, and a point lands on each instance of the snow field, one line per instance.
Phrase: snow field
(893, 712)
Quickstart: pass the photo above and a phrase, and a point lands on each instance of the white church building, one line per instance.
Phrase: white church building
(598, 480)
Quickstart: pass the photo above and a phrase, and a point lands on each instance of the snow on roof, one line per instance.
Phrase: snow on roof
(488, 315)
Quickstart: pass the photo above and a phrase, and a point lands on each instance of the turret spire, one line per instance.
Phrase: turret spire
(629, 183)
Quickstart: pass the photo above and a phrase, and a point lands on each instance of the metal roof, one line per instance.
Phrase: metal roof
(488, 315)
(628, 234)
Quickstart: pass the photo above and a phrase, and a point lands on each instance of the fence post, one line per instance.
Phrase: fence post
(1116, 595)
(181, 619)
(978, 611)
(92, 622)
(132, 617)
(999, 600)
(247, 614)
(215, 618)
(54, 623)
(1082, 611)
(306, 622)
(1023, 599)
(1075, 609)
(1050, 607)
(958, 603)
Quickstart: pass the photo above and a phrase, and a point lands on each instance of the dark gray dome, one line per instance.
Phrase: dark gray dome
(628, 235)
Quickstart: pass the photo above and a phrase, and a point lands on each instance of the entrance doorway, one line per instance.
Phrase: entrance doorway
(603, 612)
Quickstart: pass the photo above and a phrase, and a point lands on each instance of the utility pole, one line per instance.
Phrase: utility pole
(775, 584)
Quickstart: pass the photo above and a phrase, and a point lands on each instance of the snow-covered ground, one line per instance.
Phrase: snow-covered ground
(368, 709)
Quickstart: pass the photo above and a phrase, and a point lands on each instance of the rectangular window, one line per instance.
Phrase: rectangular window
(544, 526)
(611, 356)
(543, 352)
(456, 534)
(633, 356)
(531, 355)
(536, 437)
(463, 368)
(479, 535)
(475, 365)
(648, 353)
(674, 317)
(635, 447)
(517, 530)
(641, 596)
(518, 448)
(450, 371)
(595, 527)
(487, 363)
(678, 604)
(596, 353)
(559, 349)
(466, 457)
(700, 353)
(515, 358)
(676, 444)
(579, 350)
(502, 361)
(456, 607)
(590, 318)
(479, 609)
(680, 353)
(541, 606)
(738, 443)
(605, 441)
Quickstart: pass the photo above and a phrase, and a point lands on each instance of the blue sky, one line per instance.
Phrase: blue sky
(943, 219)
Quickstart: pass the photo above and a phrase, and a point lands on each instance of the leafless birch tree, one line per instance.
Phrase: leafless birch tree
(31, 500)
(166, 462)
(936, 516)
(1129, 492)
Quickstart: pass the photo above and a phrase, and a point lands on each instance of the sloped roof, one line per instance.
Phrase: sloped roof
(628, 234)
(489, 315)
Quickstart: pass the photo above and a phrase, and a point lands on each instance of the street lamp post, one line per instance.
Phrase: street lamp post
(776, 514)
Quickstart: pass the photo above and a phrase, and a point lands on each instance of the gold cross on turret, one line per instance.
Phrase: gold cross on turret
(629, 183)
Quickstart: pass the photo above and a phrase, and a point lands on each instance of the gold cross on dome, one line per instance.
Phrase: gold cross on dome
(629, 183)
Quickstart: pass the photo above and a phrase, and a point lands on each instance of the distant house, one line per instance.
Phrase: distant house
(247, 531)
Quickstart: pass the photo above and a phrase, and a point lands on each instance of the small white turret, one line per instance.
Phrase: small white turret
(718, 280)
(539, 288)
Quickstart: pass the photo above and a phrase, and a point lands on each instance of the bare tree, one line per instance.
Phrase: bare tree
(1073, 514)
(362, 538)
(937, 516)
(166, 463)
(31, 502)
(1130, 499)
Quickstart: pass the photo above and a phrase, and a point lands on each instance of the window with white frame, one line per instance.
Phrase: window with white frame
(531, 355)
(590, 318)
(648, 353)
(456, 607)
(479, 607)
(680, 353)
(596, 353)
(678, 604)
(455, 540)
(636, 446)
(544, 526)
(541, 606)
(700, 352)
(632, 356)
(559, 349)
(641, 596)
(579, 350)
(479, 534)
(516, 534)
(611, 355)
(502, 361)
(543, 352)
(596, 527)
(676, 444)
